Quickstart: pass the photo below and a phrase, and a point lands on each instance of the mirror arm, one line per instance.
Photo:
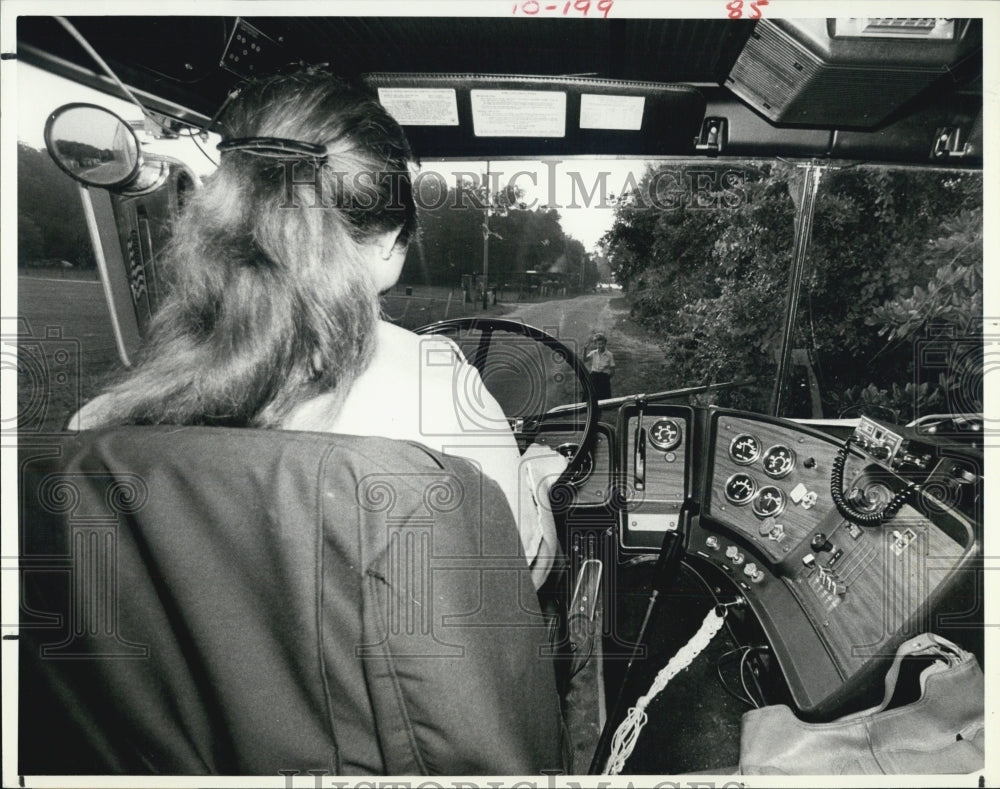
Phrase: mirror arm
(102, 267)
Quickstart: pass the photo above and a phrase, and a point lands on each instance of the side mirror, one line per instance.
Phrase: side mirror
(93, 145)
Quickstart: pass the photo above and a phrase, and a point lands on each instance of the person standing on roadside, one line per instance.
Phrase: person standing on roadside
(601, 364)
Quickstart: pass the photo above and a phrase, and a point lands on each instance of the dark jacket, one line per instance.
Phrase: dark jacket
(221, 601)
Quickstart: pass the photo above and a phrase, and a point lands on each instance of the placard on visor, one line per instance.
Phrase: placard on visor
(623, 113)
(523, 117)
(421, 106)
(518, 113)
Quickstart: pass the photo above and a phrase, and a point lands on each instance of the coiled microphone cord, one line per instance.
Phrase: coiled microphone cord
(848, 510)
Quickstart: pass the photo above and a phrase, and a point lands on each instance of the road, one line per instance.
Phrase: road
(638, 359)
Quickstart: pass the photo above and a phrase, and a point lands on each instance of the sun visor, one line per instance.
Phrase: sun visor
(465, 115)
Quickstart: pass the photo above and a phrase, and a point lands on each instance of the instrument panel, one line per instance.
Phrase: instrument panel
(593, 483)
(835, 597)
(753, 494)
(655, 471)
(770, 482)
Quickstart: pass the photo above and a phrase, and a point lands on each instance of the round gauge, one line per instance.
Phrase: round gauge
(778, 461)
(740, 488)
(665, 434)
(744, 449)
(769, 502)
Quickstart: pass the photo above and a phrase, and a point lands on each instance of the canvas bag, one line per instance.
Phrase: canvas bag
(940, 733)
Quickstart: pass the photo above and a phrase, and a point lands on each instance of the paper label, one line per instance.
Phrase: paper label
(421, 106)
(518, 113)
(611, 112)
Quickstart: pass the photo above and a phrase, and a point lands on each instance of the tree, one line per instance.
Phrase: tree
(30, 243)
(449, 243)
(953, 294)
(704, 273)
(893, 252)
(883, 239)
(50, 222)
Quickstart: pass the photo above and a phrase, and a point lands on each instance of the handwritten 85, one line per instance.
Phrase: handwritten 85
(735, 9)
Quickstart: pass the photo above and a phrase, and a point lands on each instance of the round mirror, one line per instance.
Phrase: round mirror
(93, 145)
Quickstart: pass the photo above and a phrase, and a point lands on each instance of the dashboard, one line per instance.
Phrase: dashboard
(763, 501)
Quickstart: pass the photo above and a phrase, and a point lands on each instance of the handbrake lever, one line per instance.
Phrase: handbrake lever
(583, 611)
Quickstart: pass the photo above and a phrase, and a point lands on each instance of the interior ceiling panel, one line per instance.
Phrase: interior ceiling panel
(185, 66)
(187, 50)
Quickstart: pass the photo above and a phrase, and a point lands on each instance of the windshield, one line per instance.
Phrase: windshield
(776, 286)
(684, 267)
(687, 269)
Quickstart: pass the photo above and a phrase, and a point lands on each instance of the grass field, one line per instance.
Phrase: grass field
(67, 349)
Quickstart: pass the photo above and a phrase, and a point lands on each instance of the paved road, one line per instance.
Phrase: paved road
(571, 320)
(638, 359)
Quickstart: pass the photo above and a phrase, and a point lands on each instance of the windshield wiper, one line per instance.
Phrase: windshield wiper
(655, 397)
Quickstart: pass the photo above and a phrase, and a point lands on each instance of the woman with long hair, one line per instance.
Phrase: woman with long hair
(272, 315)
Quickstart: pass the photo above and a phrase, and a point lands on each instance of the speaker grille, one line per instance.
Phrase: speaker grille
(787, 83)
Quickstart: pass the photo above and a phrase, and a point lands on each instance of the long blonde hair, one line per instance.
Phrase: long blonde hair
(270, 300)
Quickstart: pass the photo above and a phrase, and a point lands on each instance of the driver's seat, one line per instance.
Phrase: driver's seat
(251, 602)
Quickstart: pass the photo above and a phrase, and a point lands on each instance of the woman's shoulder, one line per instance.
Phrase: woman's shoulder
(390, 332)
(399, 344)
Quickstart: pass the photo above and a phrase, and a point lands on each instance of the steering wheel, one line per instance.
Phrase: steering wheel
(526, 426)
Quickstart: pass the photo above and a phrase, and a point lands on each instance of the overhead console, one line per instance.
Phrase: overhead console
(875, 89)
(837, 573)
(509, 115)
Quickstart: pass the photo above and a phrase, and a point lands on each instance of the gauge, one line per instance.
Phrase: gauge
(778, 461)
(665, 434)
(769, 502)
(744, 449)
(586, 466)
(740, 488)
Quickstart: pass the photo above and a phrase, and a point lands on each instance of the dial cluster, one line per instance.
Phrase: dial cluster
(742, 488)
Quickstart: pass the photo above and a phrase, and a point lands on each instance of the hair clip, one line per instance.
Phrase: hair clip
(276, 147)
